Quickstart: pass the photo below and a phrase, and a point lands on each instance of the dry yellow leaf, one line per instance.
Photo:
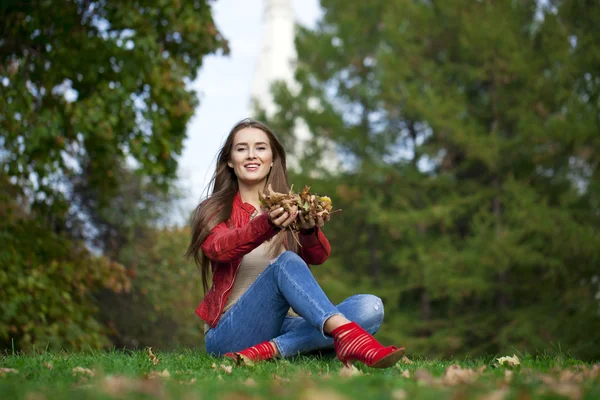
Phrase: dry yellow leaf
(406, 373)
(250, 382)
(399, 394)
(347, 372)
(226, 368)
(495, 395)
(280, 379)
(153, 357)
(321, 394)
(163, 374)
(34, 396)
(569, 390)
(424, 377)
(406, 360)
(84, 371)
(6, 371)
(48, 365)
(509, 361)
(456, 375)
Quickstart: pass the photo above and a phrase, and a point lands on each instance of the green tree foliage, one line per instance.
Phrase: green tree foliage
(470, 197)
(94, 102)
(166, 289)
(87, 84)
(47, 282)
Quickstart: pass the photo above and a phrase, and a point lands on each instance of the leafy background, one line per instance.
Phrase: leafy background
(468, 134)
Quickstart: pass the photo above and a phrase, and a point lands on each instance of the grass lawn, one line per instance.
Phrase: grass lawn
(191, 374)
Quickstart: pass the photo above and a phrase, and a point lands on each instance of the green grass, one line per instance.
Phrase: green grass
(125, 374)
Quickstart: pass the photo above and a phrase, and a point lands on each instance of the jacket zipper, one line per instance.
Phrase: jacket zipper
(230, 286)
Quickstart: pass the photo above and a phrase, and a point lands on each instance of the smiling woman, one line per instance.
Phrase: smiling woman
(252, 158)
(260, 273)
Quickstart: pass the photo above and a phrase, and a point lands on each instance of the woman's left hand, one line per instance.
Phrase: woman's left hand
(309, 223)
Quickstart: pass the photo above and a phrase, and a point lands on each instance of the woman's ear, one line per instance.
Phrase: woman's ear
(230, 164)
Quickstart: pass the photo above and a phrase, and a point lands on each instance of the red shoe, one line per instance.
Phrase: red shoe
(261, 352)
(353, 343)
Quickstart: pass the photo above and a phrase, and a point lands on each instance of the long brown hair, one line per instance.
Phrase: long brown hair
(217, 207)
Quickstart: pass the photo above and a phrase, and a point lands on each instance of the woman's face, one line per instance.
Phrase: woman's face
(251, 155)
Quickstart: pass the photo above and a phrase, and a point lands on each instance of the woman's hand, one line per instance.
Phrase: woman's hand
(281, 219)
(309, 223)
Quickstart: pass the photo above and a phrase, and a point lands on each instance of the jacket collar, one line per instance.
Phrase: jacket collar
(237, 202)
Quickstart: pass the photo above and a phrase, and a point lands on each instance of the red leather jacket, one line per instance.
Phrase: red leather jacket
(229, 241)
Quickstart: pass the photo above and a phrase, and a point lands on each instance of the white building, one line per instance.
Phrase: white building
(276, 63)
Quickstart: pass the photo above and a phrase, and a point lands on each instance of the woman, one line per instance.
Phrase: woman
(260, 276)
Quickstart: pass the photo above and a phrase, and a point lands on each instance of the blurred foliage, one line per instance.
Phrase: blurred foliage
(94, 102)
(47, 282)
(166, 289)
(468, 134)
(87, 85)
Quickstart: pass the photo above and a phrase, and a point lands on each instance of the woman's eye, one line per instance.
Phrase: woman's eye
(262, 148)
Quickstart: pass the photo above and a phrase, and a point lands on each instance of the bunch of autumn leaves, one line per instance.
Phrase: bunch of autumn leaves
(311, 205)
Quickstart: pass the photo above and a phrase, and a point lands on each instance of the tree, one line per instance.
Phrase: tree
(90, 87)
(94, 103)
(471, 134)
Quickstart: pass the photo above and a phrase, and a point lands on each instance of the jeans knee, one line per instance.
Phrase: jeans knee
(370, 312)
(287, 259)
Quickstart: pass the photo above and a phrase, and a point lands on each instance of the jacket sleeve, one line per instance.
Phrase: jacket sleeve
(226, 244)
(315, 247)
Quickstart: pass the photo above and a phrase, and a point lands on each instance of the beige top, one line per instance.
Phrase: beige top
(253, 264)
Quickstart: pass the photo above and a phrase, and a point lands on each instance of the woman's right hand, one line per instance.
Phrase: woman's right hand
(280, 218)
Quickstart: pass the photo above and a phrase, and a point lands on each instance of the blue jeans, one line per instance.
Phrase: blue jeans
(260, 314)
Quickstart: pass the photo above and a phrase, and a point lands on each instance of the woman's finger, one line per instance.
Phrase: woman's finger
(289, 220)
(301, 217)
(320, 221)
(279, 220)
(275, 213)
(301, 220)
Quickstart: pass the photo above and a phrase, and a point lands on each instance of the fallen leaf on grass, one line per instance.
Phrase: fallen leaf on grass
(116, 385)
(321, 394)
(83, 371)
(48, 365)
(406, 373)
(456, 375)
(226, 368)
(405, 360)
(243, 361)
(495, 395)
(569, 390)
(155, 374)
(153, 357)
(214, 366)
(280, 379)
(6, 371)
(219, 378)
(399, 394)
(424, 377)
(509, 361)
(347, 372)
(250, 382)
(34, 396)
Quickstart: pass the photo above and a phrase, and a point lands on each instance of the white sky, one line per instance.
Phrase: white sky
(223, 87)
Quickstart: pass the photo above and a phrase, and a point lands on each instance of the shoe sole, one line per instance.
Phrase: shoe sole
(390, 359)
